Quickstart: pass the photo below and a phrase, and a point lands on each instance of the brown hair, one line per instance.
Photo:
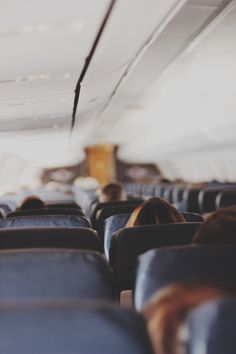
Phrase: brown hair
(219, 228)
(31, 202)
(168, 310)
(155, 211)
(111, 192)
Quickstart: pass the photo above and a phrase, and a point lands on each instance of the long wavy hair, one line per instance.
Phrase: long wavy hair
(155, 211)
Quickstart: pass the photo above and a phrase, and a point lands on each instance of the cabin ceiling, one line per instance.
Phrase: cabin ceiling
(162, 75)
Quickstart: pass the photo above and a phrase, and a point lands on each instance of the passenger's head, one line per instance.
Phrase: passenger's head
(31, 202)
(111, 192)
(219, 228)
(167, 311)
(155, 211)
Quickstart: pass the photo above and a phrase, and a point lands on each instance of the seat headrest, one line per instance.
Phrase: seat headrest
(63, 205)
(30, 275)
(72, 238)
(127, 244)
(107, 212)
(72, 329)
(99, 206)
(212, 328)
(226, 199)
(5, 208)
(51, 211)
(190, 199)
(207, 199)
(193, 217)
(117, 222)
(162, 267)
(45, 221)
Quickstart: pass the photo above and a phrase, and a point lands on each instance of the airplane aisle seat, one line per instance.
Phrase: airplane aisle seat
(127, 244)
(39, 275)
(45, 221)
(211, 328)
(161, 267)
(70, 238)
(72, 328)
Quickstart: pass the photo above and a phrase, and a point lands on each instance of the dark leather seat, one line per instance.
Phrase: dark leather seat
(178, 193)
(50, 211)
(117, 222)
(99, 206)
(212, 328)
(72, 329)
(226, 199)
(193, 217)
(113, 224)
(30, 275)
(207, 200)
(45, 221)
(5, 209)
(190, 200)
(110, 211)
(63, 205)
(127, 244)
(73, 238)
(207, 197)
(168, 193)
(162, 267)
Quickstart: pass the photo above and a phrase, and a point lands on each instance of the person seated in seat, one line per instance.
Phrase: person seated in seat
(155, 211)
(31, 203)
(111, 192)
(166, 313)
(219, 228)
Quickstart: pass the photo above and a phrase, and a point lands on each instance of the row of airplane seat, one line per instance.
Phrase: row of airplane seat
(189, 198)
(53, 274)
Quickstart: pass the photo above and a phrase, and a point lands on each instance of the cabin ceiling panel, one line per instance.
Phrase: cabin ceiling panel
(181, 30)
(125, 38)
(43, 46)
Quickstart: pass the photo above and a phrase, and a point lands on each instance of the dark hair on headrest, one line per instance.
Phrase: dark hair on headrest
(219, 228)
(31, 202)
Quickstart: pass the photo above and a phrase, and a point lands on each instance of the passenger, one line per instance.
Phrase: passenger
(111, 192)
(155, 211)
(31, 202)
(167, 311)
(219, 228)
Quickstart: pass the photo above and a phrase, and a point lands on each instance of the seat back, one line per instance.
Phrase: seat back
(168, 193)
(127, 244)
(72, 238)
(99, 206)
(162, 267)
(226, 199)
(110, 211)
(45, 221)
(117, 222)
(178, 193)
(63, 205)
(193, 217)
(207, 200)
(212, 328)
(72, 329)
(190, 200)
(113, 224)
(51, 211)
(5, 209)
(207, 197)
(30, 275)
